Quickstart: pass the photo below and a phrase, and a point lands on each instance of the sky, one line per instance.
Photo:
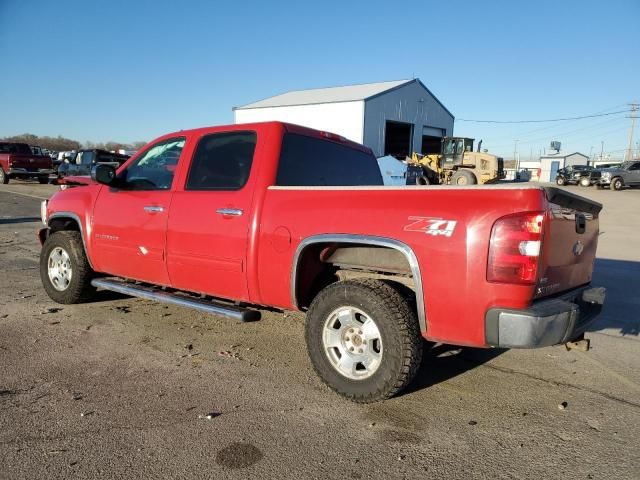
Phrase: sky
(134, 70)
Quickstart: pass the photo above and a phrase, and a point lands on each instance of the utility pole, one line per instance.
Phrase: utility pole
(634, 108)
(601, 149)
(515, 155)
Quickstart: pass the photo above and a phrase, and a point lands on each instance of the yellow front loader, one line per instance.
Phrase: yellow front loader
(458, 164)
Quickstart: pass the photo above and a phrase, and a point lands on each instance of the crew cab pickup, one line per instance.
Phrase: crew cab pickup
(625, 175)
(17, 160)
(231, 219)
(86, 159)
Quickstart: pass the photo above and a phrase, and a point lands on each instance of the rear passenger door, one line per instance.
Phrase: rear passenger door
(209, 218)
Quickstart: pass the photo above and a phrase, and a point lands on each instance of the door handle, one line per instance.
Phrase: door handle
(233, 212)
(154, 208)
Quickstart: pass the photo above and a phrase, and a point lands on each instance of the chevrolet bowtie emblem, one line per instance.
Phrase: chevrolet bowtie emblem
(578, 248)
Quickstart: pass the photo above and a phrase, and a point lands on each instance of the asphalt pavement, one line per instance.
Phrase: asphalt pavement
(123, 387)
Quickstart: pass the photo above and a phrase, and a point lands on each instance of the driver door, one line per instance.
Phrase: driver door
(130, 218)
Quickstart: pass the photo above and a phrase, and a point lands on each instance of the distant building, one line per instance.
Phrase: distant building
(392, 118)
(551, 163)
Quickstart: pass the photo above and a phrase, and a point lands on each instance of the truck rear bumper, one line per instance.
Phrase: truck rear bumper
(23, 172)
(547, 322)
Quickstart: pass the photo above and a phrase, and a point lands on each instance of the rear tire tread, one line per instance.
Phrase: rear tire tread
(405, 323)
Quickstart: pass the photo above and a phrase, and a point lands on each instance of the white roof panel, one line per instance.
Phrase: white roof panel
(349, 93)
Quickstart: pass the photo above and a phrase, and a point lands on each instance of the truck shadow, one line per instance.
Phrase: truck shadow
(441, 362)
(621, 311)
(7, 221)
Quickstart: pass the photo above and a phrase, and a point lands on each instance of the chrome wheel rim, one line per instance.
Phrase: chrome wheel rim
(352, 343)
(59, 269)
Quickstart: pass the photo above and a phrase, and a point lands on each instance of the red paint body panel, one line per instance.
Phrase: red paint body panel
(250, 257)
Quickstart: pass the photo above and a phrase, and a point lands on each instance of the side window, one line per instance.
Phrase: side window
(84, 158)
(222, 161)
(635, 166)
(155, 168)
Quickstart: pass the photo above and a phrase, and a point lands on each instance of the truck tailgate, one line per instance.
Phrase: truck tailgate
(29, 162)
(570, 241)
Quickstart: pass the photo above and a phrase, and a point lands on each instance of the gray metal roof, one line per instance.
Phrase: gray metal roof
(349, 93)
(563, 155)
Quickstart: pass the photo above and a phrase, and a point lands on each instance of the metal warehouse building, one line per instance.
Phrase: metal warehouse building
(392, 118)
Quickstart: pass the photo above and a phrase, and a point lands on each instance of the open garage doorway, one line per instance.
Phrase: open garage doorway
(431, 140)
(398, 139)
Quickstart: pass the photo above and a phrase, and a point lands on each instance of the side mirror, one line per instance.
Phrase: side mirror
(104, 174)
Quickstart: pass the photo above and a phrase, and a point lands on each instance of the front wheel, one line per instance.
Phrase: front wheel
(617, 184)
(585, 182)
(363, 339)
(43, 180)
(4, 178)
(64, 269)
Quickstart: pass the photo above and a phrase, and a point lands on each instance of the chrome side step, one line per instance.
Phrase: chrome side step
(153, 293)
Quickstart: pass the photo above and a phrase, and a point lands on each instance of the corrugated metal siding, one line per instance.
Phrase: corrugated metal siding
(411, 104)
(344, 118)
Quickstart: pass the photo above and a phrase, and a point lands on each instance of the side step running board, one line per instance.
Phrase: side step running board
(152, 293)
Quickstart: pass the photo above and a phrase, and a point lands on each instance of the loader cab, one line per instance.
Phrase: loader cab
(453, 149)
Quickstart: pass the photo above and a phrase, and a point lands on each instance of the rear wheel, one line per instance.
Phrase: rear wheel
(560, 181)
(464, 177)
(43, 179)
(585, 182)
(4, 178)
(363, 339)
(616, 183)
(64, 269)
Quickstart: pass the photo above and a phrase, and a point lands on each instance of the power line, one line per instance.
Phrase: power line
(541, 121)
(565, 134)
(528, 133)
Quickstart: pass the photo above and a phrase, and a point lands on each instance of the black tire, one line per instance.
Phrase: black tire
(616, 184)
(397, 323)
(79, 288)
(463, 177)
(43, 180)
(422, 180)
(4, 178)
(560, 181)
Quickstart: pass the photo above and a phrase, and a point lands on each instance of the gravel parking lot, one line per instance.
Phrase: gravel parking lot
(125, 387)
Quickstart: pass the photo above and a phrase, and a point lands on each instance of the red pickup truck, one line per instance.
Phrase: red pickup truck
(17, 160)
(231, 219)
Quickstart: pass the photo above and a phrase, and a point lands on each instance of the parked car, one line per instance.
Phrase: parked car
(17, 160)
(574, 175)
(85, 160)
(627, 174)
(229, 219)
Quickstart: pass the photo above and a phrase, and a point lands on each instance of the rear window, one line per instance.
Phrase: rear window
(309, 161)
(22, 148)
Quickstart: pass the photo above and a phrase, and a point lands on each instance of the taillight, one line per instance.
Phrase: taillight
(514, 248)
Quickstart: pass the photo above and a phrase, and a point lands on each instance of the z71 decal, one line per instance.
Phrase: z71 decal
(431, 226)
